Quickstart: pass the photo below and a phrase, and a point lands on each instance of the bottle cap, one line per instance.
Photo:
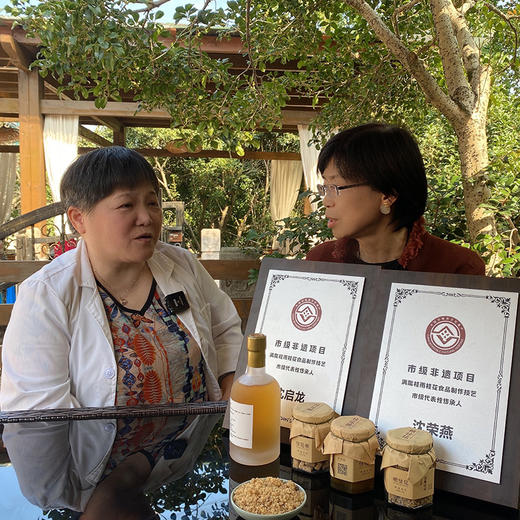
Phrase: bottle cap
(352, 428)
(409, 440)
(312, 413)
(256, 342)
(256, 346)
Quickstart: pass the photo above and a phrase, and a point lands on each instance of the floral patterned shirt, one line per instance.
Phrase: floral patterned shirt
(158, 361)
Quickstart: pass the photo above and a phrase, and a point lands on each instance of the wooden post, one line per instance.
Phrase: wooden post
(307, 208)
(119, 136)
(32, 160)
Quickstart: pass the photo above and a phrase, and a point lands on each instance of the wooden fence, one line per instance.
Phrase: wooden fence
(15, 271)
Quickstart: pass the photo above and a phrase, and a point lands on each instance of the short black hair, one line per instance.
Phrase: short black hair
(388, 159)
(95, 175)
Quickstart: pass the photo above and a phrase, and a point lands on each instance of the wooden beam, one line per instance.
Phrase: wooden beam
(206, 154)
(5, 313)
(9, 76)
(32, 160)
(230, 269)
(31, 218)
(109, 122)
(116, 109)
(210, 154)
(130, 109)
(9, 148)
(9, 106)
(93, 137)
(13, 49)
(15, 271)
(88, 108)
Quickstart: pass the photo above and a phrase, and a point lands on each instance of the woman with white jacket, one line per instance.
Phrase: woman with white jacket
(122, 319)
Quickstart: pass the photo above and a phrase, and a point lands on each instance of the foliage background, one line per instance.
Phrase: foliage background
(341, 64)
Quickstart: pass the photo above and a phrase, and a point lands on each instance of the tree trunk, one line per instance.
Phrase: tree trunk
(468, 83)
(472, 141)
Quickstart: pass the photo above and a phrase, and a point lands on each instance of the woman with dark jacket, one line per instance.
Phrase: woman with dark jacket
(374, 194)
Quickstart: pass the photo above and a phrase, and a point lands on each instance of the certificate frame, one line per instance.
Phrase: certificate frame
(507, 492)
(369, 273)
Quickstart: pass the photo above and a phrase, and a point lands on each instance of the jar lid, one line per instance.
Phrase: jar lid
(409, 440)
(352, 428)
(313, 413)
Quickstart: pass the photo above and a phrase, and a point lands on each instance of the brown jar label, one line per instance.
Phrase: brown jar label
(396, 483)
(304, 448)
(345, 468)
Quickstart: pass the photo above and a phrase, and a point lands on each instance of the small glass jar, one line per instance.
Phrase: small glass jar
(409, 465)
(310, 425)
(352, 447)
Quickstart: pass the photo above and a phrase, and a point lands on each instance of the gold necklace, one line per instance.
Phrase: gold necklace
(123, 297)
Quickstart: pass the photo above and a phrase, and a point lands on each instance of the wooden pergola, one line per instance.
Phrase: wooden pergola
(27, 98)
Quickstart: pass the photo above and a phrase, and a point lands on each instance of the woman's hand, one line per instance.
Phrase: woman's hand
(226, 381)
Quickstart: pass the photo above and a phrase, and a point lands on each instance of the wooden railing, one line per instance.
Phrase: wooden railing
(15, 271)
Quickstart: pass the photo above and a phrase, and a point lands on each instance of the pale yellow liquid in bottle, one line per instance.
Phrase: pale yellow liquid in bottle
(266, 419)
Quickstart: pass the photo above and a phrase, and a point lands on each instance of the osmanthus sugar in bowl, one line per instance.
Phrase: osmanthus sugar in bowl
(268, 498)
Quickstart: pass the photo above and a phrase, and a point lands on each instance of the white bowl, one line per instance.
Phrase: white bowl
(247, 515)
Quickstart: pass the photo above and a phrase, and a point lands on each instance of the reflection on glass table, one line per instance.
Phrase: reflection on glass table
(168, 468)
(68, 468)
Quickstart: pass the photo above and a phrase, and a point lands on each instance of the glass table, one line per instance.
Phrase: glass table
(170, 468)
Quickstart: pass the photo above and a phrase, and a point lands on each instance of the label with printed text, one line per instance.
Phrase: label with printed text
(241, 424)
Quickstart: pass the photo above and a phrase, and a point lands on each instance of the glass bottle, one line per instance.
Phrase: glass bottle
(254, 421)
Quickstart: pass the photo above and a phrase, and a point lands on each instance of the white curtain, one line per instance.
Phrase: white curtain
(8, 162)
(286, 179)
(309, 155)
(60, 142)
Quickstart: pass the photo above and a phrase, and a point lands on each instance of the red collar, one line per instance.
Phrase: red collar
(347, 250)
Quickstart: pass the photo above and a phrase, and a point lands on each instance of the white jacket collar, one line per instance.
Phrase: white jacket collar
(84, 273)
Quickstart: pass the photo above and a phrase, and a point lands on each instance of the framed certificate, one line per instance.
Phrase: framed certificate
(446, 365)
(309, 312)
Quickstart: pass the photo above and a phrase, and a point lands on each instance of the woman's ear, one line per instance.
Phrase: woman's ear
(77, 219)
(386, 203)
(388, 200)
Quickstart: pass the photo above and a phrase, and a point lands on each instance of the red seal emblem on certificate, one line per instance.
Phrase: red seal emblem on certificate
(306, 314)
(445, 335)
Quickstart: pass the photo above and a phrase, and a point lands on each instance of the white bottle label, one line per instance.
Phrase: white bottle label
(241, 424)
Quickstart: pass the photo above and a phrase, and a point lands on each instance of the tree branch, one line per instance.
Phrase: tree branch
(399, 11)
(433, 92)
(484, 89)
(508, 19)
(466, 6)
(514, 237)
(458, 87)
(468, 47)
(151, 5)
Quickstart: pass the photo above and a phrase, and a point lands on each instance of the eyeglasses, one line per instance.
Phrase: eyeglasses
(333, 191)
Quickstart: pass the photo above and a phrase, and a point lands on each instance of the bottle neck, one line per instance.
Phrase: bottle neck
(255, 371)
(256, 360)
